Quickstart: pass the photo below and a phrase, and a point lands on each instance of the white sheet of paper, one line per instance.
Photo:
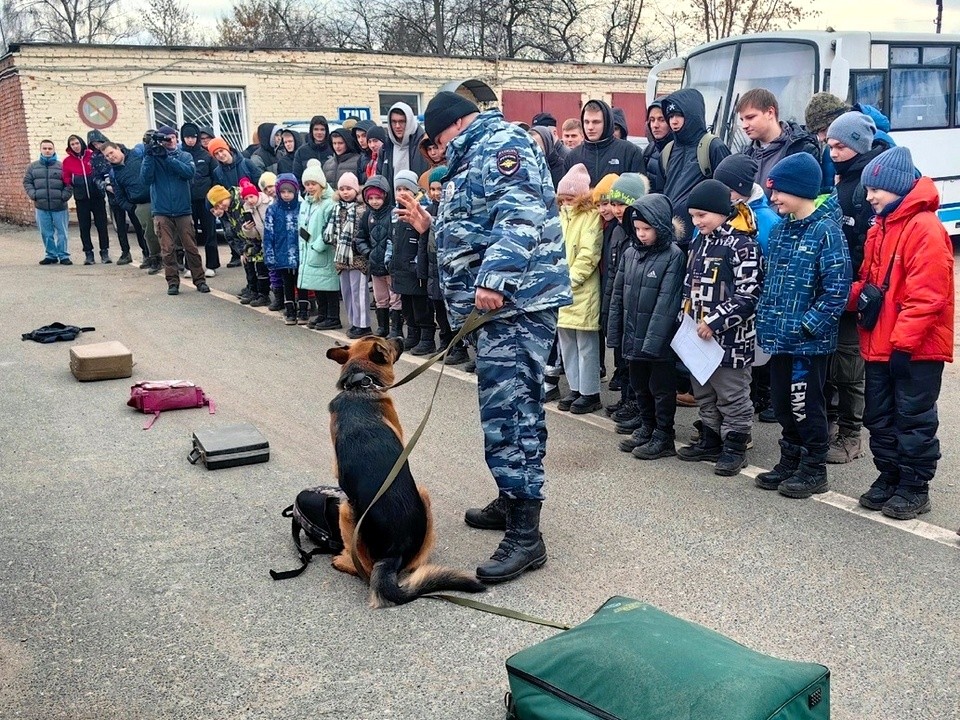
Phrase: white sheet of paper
(700, 356)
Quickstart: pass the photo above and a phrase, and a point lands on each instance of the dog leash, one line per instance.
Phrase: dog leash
(474, 321)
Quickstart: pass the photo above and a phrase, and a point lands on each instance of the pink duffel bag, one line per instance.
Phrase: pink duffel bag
(154, 396)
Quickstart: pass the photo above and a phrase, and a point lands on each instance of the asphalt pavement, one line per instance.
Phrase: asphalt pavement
(136, 585)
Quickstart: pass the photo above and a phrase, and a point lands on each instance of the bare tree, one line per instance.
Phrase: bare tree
(77, 21)
(169, 22)
(714, 19)
(15, 24)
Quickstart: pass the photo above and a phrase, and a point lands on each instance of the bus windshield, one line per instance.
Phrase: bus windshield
(787, 69)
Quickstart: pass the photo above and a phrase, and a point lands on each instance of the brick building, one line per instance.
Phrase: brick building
(52, 91)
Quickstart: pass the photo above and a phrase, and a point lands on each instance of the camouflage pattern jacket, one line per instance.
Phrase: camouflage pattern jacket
(497, 225)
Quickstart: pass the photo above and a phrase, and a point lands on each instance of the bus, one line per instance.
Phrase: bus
(911, 77)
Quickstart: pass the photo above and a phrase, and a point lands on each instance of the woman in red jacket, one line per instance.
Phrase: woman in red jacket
(87, 193)
(908, 251)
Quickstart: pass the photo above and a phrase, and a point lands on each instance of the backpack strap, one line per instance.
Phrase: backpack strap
(305, 555)
(703, 154)
(665, 157)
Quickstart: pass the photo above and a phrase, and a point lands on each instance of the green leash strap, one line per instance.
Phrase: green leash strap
(496, 610)
(474, 320)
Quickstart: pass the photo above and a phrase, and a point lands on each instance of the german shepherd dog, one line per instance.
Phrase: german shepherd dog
(397, 535)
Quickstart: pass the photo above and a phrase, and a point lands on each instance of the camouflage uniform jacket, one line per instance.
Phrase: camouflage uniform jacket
(497, 225)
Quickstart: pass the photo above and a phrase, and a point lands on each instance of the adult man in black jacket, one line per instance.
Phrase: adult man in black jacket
(317, 146)
(124, 203)
(600, 151)
(202, 181)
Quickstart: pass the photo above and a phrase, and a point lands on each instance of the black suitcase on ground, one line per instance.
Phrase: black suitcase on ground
(229, 446)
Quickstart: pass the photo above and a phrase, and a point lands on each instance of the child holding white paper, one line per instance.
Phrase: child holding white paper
(721, 291)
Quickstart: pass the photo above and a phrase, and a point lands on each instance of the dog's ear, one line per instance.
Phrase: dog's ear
(339, 354)
(397, 344)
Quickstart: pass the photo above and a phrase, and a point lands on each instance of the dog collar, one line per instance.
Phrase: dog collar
(361, 381)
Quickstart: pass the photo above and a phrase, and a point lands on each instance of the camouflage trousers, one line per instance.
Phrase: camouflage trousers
(511, 356)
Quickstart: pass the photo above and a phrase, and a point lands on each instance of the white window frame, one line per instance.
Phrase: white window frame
(240, 142)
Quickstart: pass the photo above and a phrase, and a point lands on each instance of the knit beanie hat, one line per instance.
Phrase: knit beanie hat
(629, 188)
(248, 189)
(407, 179)
(822, 110)
(601, 190)
(544, 119)
(349, 180)
(189, 129)
(217, 194)
(711, 196)
(738, 172)
(576, 182)
(377, 133)
(892, 171)
(855, 130)
(798, 174)
(267, 179)
(369, 190)
(217, 144)
(444, 109)
(287, 180)
(437, 174)
(314, 173)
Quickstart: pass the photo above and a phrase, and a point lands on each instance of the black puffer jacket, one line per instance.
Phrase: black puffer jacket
(264, 157)
(310, 150)
(203, 163)
(649, 286)
(409, 269)
(614, 243)
(373, 235)
(285, 158)
(43, 183)
(608, 154)
(683, 171)
(129, 188)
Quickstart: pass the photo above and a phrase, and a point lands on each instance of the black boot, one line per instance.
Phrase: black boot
(708, 447)
(809, 479)
(427, 344)
(789, 462)
(276, 305)
(733, 457)
(355, 333)
(491, 517)
(627, 411)
(124, 258)
(156, 265)
(303, 312)
(882, 489)
(457, 355)
(908, 502)
(565, 402)
(88, 258)
(413, 337)
(332, 312)
(522, 546)
(105, 257)
(247, 296)
(639, 437)
(659, 445)
(396, 324)
(586, 404)
(627, 427)
(383, 322)
(290, 313)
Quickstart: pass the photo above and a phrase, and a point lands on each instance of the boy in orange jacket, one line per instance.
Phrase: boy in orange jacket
(909, 258)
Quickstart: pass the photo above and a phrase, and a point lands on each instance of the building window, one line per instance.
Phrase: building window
(388, 99)
(223, 110)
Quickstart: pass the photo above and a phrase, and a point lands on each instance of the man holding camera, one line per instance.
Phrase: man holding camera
(168, 171)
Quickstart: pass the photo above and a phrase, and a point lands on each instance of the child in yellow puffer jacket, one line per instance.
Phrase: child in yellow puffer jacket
(578, 325)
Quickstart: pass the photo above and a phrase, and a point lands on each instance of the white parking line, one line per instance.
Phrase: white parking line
(915, 527)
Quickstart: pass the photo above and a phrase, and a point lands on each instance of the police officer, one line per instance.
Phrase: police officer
(500, 247)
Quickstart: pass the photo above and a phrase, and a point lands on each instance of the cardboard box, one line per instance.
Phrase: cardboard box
(101, 361)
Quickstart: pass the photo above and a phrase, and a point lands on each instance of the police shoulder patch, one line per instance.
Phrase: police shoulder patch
(508, 161)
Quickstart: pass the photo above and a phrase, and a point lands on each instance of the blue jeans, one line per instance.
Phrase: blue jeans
(54, 223)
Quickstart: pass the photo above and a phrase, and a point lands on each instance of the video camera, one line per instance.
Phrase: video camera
(154, 142)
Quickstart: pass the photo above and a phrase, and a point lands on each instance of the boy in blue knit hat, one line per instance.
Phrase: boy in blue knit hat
(805, 291)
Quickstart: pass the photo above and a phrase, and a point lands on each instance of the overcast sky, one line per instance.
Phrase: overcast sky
(897, 15)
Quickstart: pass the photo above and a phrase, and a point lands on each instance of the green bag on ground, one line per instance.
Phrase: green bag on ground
(631, 661)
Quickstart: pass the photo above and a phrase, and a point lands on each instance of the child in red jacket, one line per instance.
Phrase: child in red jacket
(908, 256)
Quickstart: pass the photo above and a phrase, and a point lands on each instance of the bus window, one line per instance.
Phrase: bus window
(709, 72)
(787, 69)
(920, 87)
(868, 88)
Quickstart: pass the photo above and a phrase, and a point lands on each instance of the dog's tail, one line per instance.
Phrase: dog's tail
(387, 588)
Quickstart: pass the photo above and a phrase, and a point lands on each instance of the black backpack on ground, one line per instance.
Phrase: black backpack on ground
(316, 512)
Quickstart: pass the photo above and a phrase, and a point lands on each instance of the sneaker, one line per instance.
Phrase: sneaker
(66, 261)
(846, 447)
(88, 258)
(565, 403)
(247, 299)
(145, 264)
(105, 257)
(203, 287)
(586, 404)
(329, 324)
(210, 272)
(627, 411)
(155, 267)
(49, 261)
(260, 301)
(173, 290)
(124, 259)
(640, 436)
